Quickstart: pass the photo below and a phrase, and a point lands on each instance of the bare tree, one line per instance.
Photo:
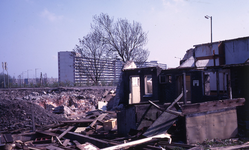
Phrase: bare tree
(124, 39)
(93, 56)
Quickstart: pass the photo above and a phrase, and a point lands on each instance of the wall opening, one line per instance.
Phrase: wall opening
(148, 85)
(134, 96)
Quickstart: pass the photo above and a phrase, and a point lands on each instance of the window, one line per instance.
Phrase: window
(148, 86)
(165, 79)
(162, 79)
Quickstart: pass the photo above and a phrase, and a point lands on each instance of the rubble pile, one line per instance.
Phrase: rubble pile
(16, 115)
(49, 106)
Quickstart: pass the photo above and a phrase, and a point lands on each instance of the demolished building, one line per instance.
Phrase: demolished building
(205, 90)
(204, 98)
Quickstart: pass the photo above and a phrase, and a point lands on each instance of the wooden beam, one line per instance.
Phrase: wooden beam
(47, 133)
(58, 140)
(99, 118)
(137, 142)
(231, 147)
(33, 148)
(155, 105)
(218, 82)
(230, 86)
(78, 145)
(175, 101)
(65, 132)
(211, 105)
(51, 147)
(174, 112)
(66, 142)
(184, 88)
(84, 138)
(167, 110)
(207, 57)
(79, 121)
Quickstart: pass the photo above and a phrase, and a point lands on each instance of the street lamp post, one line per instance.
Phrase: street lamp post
(207, 17)
(179, 58)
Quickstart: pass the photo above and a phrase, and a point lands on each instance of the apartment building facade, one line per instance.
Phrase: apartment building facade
(71, 71)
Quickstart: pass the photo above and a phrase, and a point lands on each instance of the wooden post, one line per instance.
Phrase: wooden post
(218, 83)
(184, 88)
(230, 85)
(224, 76)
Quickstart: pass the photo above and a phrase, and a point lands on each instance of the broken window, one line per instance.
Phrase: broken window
(134, 90)
(216, 83)
(148, 85)
(165, 79)
(207, 83)
(162, 79)
(169, 77)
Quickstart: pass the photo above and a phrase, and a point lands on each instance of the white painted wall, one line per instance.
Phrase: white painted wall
(66, 67)
(206, 50)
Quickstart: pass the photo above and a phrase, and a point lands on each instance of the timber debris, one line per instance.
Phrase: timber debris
(71, 119)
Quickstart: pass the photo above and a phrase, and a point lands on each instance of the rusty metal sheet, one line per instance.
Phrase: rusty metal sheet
(220, 124)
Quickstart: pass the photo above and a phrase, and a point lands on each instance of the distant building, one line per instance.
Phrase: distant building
(69, 72)
(66, 72)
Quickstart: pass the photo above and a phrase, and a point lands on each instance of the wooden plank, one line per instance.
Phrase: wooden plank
(231, 147)
(33, 148)
(184, 88)
(175, 101)
(196, 148)
(79, 121)
(78, 145)
(58, 140)
(161, 125)
(66, 142)
(65, 132)
(207, 57)
(211, 105)
(80, 129)
(165, 120)
(167, 110)
(137, 142)
(47, 133)
(84, 138)
(99, 118)
(51, 147)
(89, 146)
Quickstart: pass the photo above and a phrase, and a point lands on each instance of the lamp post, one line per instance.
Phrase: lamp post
(179, 58)
(210, 17)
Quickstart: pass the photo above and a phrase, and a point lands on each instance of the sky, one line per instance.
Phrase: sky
(32, 32)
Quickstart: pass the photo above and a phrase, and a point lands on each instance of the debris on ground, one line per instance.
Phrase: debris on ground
(17, 105)
(74, 118)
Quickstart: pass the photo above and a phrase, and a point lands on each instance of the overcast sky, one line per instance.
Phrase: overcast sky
(32, 32)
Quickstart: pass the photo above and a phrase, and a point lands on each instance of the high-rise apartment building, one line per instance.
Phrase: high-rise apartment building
(66, 71)
(71, 71)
